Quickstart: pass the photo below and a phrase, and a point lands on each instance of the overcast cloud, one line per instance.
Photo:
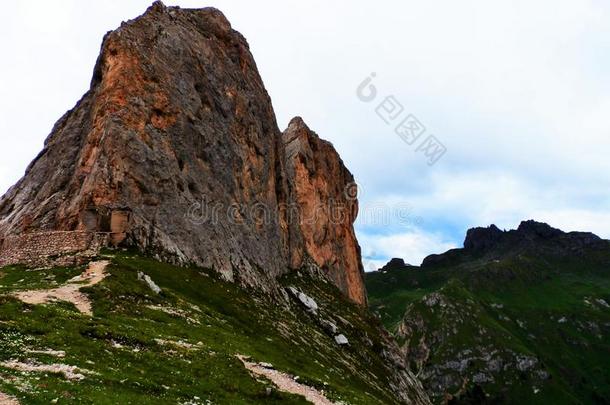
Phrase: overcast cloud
(517, 92)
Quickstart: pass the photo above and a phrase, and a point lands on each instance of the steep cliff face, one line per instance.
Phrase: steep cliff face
(323, 208)
(177, 134)
(175, 149)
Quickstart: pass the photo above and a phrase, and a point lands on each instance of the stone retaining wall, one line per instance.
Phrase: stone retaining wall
(53, 248)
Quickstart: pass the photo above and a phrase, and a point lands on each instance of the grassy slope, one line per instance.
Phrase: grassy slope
(534, 307)
(390, 292)
(118, 343)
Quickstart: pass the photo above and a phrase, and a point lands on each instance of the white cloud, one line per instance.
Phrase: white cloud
(412, 246)
(453, 202)
(568, 220)
(372, 264)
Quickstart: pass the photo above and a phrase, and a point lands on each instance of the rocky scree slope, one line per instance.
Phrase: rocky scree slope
(175, 150)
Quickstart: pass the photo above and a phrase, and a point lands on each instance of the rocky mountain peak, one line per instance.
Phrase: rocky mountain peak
(297, 126)
(323, 196)
(395, 262)
(156, 7)
(538, 229)
(175, 150)
(529, 233)
(531, 236)
(482, 238)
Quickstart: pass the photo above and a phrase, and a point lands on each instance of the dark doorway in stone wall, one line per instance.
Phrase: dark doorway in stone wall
(104, 223)
(96, 221)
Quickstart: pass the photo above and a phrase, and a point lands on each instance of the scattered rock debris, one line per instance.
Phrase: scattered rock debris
(285, 382)
(69, 292)
(146, 278)
(341, 340)
(329, 327)
(179, 343)
(177, 312)
(602, 302)
(308, 302)
(8, 400)
(72, 373)
(48, 352)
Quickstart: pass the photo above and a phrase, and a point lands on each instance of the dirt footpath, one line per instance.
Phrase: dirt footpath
(69, 292)
(286, 383)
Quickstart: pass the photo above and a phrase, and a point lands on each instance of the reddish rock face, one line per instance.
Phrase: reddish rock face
(175, 149)
(323, 201)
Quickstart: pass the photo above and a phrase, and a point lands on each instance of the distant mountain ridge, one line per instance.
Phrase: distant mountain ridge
(517, 316)
(530, 235)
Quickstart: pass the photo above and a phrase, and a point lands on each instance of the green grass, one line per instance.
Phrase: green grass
(576, 353)
(14, 278)
(129, 366)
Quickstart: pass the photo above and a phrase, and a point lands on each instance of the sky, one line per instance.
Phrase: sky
(516, 94)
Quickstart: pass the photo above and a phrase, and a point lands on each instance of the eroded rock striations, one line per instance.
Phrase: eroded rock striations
(323, 207)
(175, 150)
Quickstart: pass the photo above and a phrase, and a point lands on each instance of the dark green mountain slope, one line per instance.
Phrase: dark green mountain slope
(515, 317)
